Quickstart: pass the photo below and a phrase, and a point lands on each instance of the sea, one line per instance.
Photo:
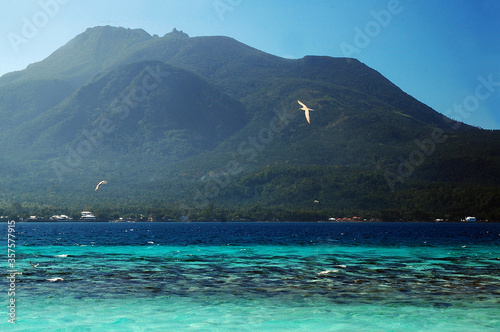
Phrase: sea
(251, 276)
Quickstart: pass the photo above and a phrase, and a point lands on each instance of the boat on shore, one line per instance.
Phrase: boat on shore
(60, 217)
(87, 216)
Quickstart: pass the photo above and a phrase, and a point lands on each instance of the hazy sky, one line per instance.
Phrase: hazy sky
(444, 53)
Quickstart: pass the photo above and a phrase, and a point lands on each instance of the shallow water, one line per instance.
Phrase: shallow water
(256, 276)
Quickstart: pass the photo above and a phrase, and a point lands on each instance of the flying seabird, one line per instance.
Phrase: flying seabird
(306, 110)
(34, 264)
(99, 184)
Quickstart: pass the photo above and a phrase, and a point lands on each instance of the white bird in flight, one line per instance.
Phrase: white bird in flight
(34, 265)
(99, 184)
(306, 110)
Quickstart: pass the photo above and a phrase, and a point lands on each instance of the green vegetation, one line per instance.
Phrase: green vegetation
(210, 128)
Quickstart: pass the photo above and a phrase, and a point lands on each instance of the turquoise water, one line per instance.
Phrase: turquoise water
(257, 276)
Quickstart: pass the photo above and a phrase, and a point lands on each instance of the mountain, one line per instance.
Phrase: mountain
(82, 57)
(161, 105)
(28, 93)
(211, 128)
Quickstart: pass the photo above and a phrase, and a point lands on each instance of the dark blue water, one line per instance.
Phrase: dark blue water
(272, 233)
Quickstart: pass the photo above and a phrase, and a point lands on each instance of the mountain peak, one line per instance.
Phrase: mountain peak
(97, 48)
(177, 33)
(108, 31)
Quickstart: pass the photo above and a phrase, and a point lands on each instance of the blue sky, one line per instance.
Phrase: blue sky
(444, 53)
